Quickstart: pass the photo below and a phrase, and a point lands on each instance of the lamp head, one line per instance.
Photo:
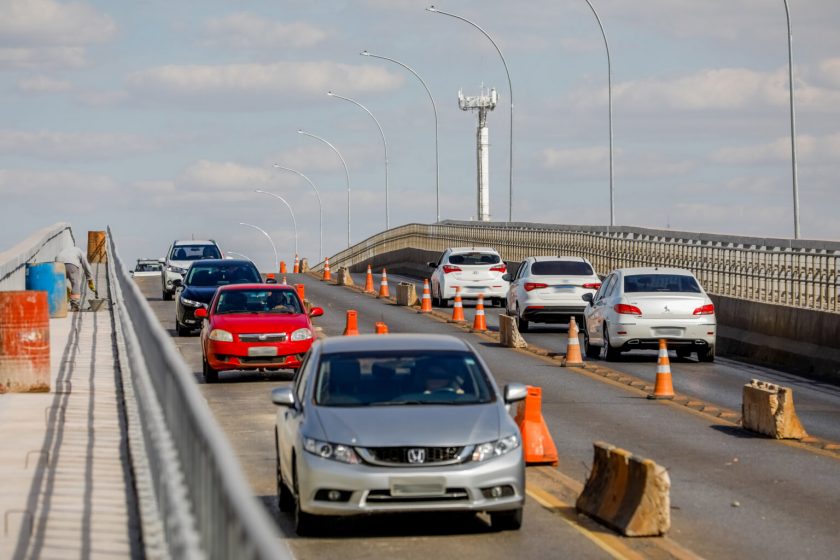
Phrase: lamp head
(364, 53)
(330, 93)
(431, 8)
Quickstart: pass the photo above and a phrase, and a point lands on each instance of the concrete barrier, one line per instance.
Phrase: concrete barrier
(627, 493)
(406, 294)
(304, 265)
(343, 277)
(768, 409)
(509, 333)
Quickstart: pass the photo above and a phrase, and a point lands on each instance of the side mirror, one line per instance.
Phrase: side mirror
(432, 265)
(283, 396)
(587, 297)
(201, 313)
(271, 280)
(507, 277)
(515, 392)
(316, 312)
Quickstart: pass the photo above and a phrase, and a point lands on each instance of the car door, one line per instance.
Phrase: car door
(515, 290)
(437, 274)
(595, 313)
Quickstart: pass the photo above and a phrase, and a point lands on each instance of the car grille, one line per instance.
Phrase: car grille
(450, 495)
(246, 360)
(399, 456)
(263, 337)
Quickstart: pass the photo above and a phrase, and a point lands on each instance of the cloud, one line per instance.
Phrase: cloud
(219, 176)
(52, 57)
(72, 146)
(42, 84)
(56, 187)
(575, 158)
(250, 32)
(830, 71)
(810, 149)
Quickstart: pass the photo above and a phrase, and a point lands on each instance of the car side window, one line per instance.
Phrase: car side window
(304, 373)
(611, 288)
(523, 270)
(605, 288)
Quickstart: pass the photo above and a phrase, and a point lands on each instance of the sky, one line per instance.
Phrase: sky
(160, 119)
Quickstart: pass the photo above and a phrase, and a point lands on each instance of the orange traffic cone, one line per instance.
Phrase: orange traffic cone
(284, 281)
(352, 328)
(573, 356)
(369, 282)
(383, 286)
(457, 308)
(536, 440)
(426, 301)
(269, 276)
(327, 276)
(282, 267)
(381, 328)
(663, 389)
(301, 290)
(296, 268)
(480, 322)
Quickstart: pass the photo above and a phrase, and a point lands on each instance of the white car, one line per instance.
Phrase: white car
(179, 257)
(477, 270)
(636, 307)
(147, 267)
(550, 290)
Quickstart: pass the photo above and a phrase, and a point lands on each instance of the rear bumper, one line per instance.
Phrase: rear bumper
(471, 291)
(679, 334)
(552, 313)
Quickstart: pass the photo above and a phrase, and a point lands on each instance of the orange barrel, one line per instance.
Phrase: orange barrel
(49, 277)
(24, 342)
(301, 290)
(96, 247)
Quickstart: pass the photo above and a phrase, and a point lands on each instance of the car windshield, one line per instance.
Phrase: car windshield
(661, 283)
(401, 379)
(474, 259)
(215, 275)
(258, 301)
(194, 252)
(561, 268)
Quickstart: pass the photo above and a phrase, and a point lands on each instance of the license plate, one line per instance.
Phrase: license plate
(262, 351)
(668, 331)
(564, 288)
(418, 486)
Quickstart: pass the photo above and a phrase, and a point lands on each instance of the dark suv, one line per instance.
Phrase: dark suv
(200, 283)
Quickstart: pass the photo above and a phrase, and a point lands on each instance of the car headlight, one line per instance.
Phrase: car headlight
(485, 451)
(334, 451)
(302, 334)
(191, 302)
(220, 335)
(176, 269)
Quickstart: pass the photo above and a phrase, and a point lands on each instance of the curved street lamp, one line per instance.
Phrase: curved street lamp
(434, 108)
(246, 257)
(384, 143)
(261, 230)
(609, 98)
(346, 172)
(792, 127)
(510, 88)
(320, 210)
(292, 212)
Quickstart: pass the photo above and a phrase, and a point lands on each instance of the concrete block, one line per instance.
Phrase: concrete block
(768, 409)
(343, 277)
(509, 333)
(406, 294)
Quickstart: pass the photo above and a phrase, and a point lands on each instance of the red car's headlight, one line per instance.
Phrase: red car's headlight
(220, 335)
(301, 334)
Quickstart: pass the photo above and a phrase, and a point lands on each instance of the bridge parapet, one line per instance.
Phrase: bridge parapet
(42, 246)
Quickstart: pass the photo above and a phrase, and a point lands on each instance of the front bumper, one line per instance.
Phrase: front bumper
(234, 355)
(169, 280)
(367, 489)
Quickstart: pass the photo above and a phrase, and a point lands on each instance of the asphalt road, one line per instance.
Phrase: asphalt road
(733, 495)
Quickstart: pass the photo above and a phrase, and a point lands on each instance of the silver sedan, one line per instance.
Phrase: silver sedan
(400, 423)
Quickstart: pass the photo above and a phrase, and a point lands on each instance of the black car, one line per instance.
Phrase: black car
(200, 283)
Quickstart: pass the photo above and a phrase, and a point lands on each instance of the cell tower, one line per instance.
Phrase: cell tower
(485, 101)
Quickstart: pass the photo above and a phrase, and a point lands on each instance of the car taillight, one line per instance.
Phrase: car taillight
(447, 268)
(624, 309)
(499, 268)
(534, 286)
(705, 310)
(592, 286)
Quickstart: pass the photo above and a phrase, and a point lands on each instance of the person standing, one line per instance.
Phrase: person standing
(75, 263)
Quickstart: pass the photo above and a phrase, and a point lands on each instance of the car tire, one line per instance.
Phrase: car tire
(522, 324)
(306, 524)
(210, 375)
(609, 353)
(683, 353)
(285, 498)
(167, 296)
(510, 520)
(707, 355)
(436, 298)
(590, 350)
(181, 330)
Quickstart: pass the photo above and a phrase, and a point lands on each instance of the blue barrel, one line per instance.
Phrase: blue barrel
(49, 277)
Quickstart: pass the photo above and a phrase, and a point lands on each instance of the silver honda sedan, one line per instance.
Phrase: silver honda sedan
(397, 423)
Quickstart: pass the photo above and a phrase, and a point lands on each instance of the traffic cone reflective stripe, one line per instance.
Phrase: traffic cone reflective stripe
(381, 328)
(458, 307)
(480, 322)
(383, 285)
(327, 276)
(369, 282)
(426, 302)
(296, 269)
(664, 388)
(573, 355)
(537, 444)
(352, 327)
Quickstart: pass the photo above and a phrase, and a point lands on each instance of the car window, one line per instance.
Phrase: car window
(661, 283)
(523, 270)
(194, 252)
(606, 288)
(303, 374)
(277, 301)
(561, 268)
(401, 378)
(215, 275)
(474, 259)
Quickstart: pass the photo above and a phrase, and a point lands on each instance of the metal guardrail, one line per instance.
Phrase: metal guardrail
(796, 273)
(42, 246)
(201, 505)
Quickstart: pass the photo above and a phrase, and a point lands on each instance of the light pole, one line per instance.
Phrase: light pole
(792, 128)
(609, 101)
(320, 211)
(346, 172)
(434, 108)
(510, 89)
(384, 143)
(292, 212)
(246, 257)
(261, 230)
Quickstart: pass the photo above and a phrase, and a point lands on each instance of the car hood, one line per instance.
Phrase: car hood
(202, 294)
(260, 322)
(413, 425)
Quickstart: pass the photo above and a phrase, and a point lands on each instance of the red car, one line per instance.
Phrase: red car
(253, 326)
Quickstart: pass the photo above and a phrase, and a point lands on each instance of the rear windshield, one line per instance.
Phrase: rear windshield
(215, 275)
(474, 259)
(661, 283)
(401, 379)
(148, 267)
(194, 252)
(258, 301)
(561, 268)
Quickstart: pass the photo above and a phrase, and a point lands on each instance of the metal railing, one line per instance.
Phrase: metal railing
(193, 497)
(797, 273)
(42, 246)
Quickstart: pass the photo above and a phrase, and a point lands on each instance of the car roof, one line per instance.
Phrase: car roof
(544, 258)
(655, 270)
(391, 342)
(195, 242)
(473, 250)
(252, 286)
(224, 262)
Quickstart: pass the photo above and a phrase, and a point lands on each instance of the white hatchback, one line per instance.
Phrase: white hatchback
(636, 307)
(476, 270)
(550, 290)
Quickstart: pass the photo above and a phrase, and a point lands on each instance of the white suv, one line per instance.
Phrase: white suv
(550, 290)
(179, 257)
(477, 270)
